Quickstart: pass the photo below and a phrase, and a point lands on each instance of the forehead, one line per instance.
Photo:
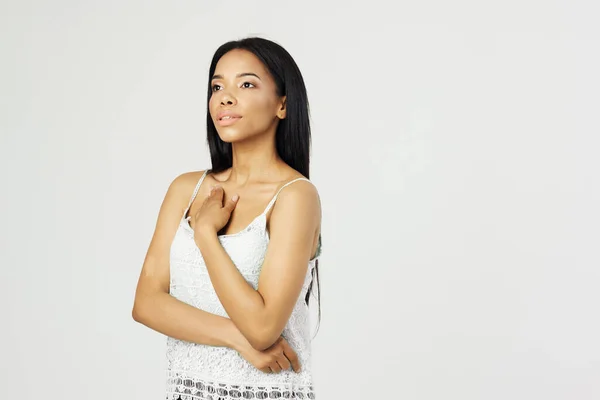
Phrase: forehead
(239, 61)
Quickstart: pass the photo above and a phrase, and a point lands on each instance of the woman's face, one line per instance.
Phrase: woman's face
(244, 101)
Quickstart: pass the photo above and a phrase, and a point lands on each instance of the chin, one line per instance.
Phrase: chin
(231, 136)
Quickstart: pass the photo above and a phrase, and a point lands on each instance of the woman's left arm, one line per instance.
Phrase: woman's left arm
(262, 314)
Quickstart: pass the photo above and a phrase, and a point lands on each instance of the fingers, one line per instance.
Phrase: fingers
(275, 368)
(283, 362)
(230, 203)
(217, 193)
(276, 364)
(291, 356)
(272, 368)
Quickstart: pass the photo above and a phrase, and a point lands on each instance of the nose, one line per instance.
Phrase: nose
(227, 99)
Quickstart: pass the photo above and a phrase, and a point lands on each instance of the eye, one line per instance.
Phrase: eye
(247, 85)
(215, 87)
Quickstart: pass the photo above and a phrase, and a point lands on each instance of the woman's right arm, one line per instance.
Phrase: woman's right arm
(154, 306)
(158, 310)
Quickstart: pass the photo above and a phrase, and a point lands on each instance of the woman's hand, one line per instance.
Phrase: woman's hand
(279, 357)
(212, 216)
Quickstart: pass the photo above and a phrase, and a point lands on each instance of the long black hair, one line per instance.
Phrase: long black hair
(293, 136)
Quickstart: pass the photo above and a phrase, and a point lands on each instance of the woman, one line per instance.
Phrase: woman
(230, 268)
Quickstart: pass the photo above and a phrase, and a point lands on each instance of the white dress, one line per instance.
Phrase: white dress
(196, 371)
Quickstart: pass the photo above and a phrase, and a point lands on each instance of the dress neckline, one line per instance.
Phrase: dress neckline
(186, 224)
(262, 216)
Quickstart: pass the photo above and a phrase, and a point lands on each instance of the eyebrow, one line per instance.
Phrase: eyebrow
(237, 76)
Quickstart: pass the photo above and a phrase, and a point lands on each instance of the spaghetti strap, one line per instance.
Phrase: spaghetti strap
(279, 191)
(195, 192)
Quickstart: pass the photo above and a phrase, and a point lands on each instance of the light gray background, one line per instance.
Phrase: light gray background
(455, 150)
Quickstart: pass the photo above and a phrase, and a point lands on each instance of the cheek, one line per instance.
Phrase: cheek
(212, 103)
(262, 106)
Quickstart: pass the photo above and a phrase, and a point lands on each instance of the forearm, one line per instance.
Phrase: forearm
(172, 317)
(244, 305)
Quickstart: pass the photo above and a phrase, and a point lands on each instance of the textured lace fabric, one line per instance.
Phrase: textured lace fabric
(196, 371)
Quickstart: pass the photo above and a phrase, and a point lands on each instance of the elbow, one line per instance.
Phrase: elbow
(137, 312)
(262, 338)
(144, 304)
(261, 344)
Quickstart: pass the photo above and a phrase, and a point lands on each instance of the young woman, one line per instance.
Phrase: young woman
(230, 269)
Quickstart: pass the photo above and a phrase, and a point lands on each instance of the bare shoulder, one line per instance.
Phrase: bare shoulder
(184, 184)
(180, 191)
(298, 206)
(300, 197)
(300, 190)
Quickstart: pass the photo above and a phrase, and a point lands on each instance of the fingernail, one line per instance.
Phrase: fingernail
(235, 197)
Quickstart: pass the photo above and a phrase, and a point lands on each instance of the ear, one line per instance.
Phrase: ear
(281, 113)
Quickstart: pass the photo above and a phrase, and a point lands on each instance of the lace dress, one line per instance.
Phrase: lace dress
(196, 371)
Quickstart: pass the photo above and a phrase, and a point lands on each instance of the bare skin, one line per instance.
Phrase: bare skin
(241, 86)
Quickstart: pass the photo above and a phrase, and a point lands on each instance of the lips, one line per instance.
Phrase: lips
(226, 118)
(227, 115)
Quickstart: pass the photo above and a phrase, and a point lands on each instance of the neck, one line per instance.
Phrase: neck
(255, 160)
